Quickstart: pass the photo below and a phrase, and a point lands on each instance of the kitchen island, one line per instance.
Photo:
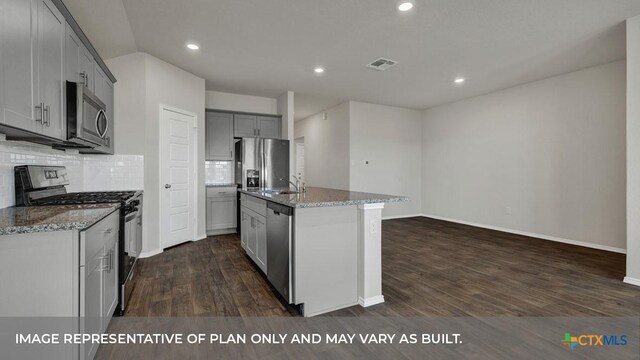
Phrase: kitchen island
(335, 247)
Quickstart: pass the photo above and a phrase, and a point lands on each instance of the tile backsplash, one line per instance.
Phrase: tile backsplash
(86, 172)
(219, 172)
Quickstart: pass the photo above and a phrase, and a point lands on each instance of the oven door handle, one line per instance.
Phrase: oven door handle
(131, 217)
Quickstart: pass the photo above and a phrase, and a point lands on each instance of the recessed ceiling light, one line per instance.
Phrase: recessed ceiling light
(318, 70)
(459, 80)
(406, 5)
(193, 46)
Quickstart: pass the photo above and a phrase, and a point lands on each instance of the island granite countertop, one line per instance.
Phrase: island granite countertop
(321, 197)
(32, 219)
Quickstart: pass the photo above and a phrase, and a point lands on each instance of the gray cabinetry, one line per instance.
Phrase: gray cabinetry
(221, 210)
(31, 56)
(257, 126)
(103, 89)
(50, 73)
(41, 46)
(253, 231)
(219, 136)
(244, 125)
(16, 63)
(99, 280)
(268, 127)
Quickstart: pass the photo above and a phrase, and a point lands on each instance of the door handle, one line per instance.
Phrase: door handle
(167, 186)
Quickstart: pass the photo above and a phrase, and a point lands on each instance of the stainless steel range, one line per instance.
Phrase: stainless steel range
(46, 185)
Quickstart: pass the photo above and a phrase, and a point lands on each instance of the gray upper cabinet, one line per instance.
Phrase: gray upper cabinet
(41, 47)
(16, 64)
(219, 136)
(269, 127)
(244, 125)
(50, 50)
(257, 126)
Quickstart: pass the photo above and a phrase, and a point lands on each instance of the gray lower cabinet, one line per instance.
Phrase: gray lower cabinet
(262, 126)
(219, 136)
(221, 210)
(253, 230)
(63, 274)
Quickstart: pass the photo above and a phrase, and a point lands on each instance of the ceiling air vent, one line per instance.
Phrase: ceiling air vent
(382, 64)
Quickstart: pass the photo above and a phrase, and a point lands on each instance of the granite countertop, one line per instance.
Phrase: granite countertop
(321, 197)
(31, 219)
(221, 185)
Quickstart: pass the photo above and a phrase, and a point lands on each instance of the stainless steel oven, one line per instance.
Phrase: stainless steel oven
(131, 228)
(87, 121)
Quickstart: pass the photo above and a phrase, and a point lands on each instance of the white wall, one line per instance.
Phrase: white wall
(285, 108)
(326, 148)
(145, 82)
(633, 150)
(129, 96)
(244, 103)
(552, 151)
(390, 139)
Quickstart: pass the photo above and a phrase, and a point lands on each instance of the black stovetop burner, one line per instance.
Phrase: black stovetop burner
(87, 198)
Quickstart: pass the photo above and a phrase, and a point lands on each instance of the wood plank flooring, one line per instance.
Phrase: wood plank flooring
(430, 268)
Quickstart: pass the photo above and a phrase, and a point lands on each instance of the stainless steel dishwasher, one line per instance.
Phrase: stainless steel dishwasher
(279, 249)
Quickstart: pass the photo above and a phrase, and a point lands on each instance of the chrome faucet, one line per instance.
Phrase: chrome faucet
(296, 185)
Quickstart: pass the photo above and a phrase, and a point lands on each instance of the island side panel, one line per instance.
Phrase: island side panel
(325, 247)
(42, 274)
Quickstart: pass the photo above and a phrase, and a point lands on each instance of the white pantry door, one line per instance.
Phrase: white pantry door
(177, 176)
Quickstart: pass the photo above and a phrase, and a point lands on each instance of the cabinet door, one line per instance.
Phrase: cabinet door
(51, 36)
(108, 101)
(100, 83)
(244, 126)
(261, 243)
(91, 304)
(269, 127)
(252, 237)
(110, 281)
(72, 51)
(17, 73)
(223, 213)
(219, 136)
(87, 65)
(244, 228)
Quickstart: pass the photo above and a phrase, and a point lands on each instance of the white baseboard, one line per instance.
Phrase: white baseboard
(200, 237)
(146, 254)
(534, 235)
(222, 232)
(371, 301)
(632, 281)
(401, 216)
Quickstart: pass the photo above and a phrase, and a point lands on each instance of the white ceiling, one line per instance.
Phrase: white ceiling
(267, 47)
(106, 25)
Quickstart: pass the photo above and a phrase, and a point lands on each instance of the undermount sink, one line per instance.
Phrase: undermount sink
(281, 192)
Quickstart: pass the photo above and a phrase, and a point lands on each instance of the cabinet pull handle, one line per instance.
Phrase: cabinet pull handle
(47, 116)
(258, 132)
(84, 77)
(108, 231)
(40, 109)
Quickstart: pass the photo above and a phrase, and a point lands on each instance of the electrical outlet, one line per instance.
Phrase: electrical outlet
(507, 210)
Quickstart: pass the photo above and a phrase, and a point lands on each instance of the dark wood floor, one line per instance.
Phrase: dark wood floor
(430, 268)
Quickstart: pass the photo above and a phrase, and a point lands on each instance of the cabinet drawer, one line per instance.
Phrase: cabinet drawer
(94, 239)
(217, 192)
(259, 206)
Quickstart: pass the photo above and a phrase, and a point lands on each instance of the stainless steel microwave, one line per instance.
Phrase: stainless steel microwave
(87, 122)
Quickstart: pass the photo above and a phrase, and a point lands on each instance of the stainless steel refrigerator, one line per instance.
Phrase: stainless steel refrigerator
(262, 163)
